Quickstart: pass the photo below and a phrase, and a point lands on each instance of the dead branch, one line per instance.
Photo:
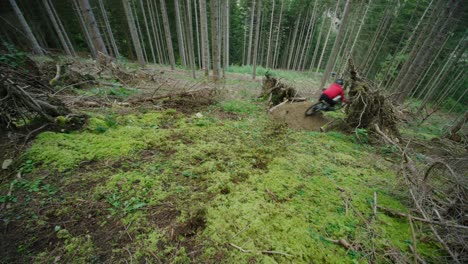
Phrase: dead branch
(260, 251)
(341, 242)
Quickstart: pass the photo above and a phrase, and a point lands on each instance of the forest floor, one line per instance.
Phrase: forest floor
(181, 180)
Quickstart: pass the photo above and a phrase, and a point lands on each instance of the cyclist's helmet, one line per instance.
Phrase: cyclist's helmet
(339, 81)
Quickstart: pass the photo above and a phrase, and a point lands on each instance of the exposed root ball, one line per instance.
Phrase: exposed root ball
(276, 91)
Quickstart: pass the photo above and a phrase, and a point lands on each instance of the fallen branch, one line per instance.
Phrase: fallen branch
(341, 242)
(394, 213)
(260, 251)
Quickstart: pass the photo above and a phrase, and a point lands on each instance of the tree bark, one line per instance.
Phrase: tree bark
(180, 35)
(197, 31)
(278, 30)
(30, 36)
(133, 32)
(204, 37)
(257, 34)
(87, 35)
(214, 38)
(269, 35)
(252, 17)
(57, 28)
(93, 29)
(190, 45)
(167, 30)
(332, 58)
(109, 29)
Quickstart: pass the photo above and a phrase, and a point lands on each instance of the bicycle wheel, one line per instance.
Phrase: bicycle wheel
(314, 109)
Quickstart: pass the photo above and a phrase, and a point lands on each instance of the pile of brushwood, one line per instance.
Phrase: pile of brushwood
(276, 91)
(25, 97)
(369, 108)
(438, 191)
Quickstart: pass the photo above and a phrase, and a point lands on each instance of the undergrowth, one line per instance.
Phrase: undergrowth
(164, 187)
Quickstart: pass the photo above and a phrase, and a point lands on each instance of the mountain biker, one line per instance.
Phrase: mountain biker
(333, 91)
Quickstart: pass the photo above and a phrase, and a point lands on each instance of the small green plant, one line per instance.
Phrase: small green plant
(11, 56)
(26, 167)
(361, 136)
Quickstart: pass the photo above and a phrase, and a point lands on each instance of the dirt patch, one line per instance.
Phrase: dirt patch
(293, 115)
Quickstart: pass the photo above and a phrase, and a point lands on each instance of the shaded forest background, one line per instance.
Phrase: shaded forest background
(411, 48)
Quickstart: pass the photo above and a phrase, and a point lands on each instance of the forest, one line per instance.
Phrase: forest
(195, 131)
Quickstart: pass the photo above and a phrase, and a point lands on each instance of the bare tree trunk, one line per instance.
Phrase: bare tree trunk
(293, 43)
(133, 32)
(190, 39)
(167, 30)
(148, 33)
(257, 34)
(326, 42)
(93, 29)
(57, 28)
(197, 31)
(161, 35)
(89, 41)
(252, 17)
(154, 30)
(109, 29)
(278, 30)
(310, 35)
(226, 39)
(332, 58)
(269, 35)
(204, 37)
(180, 36)
(214, 38)
(134, 8)
(317, 45)
(298, 47)
(30, 36)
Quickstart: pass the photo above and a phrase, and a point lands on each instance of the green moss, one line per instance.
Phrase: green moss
(258, 185)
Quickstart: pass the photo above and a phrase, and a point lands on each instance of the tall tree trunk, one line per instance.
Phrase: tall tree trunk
(91, 24)
(180, 35)
(197, 31)
(204, 37)
(62, 28)
(139, 31)
(310, 35)
(257, 34)
(433, 41)
(293, 43)
(133, 31)
(29, 35)
(190, 45)
(269, 35)
(317, 45)
(167, 30)
(277, 35)
(332, 58)
(87, 35)
(252, 17)
(109, 29)
(148, 33)
(214, 38)
(226, 38)
(63, 42)
(322, 54)
(154, 30)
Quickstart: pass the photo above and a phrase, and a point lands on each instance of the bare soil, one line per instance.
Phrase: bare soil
(293, 115)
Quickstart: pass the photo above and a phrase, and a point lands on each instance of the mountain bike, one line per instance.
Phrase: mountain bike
(323, 106)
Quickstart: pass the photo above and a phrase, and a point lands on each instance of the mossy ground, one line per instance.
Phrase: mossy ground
(160, 186)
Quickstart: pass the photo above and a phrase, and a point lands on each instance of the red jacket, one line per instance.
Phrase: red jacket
(334, 90)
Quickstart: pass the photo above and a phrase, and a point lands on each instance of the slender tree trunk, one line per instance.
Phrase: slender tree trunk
(269, 35)
(298, 47)
(57, 28)
(161, 35)
(133, 31)
(226, 39)
(332, 58)
(310, 35)
(257, 34)
(293, 43)
(197, 31)
(244, 42)
(458, 100)
(190, 38)
(148, 33)
(180, 36)
(317, 45)
(204, 37)
(30, 36)
(109, 29)
(91, 24)
(214, 38)
(167, 30)
(252, 17)
(154, 30)
(139, 31)
(85, 29)
(326, 43)
(277, 35)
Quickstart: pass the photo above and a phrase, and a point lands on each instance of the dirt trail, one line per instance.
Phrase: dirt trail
(293, 115)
